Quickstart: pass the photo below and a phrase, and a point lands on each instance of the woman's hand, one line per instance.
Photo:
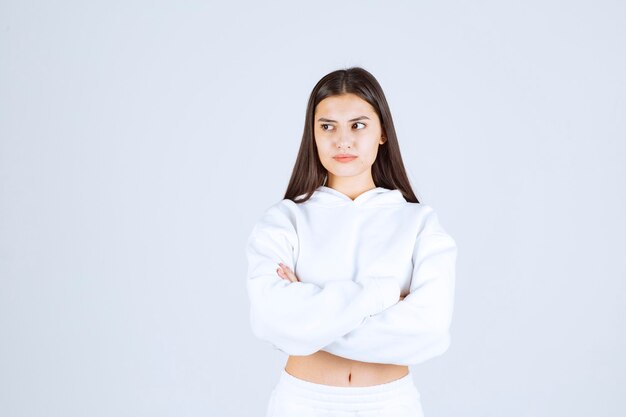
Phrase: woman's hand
(286, 273)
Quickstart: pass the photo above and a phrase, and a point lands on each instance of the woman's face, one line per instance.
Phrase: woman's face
(347, 125)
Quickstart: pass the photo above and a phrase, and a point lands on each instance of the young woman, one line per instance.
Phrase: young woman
(350, 275)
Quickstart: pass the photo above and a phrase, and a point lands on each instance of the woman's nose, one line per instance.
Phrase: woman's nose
(344, 139)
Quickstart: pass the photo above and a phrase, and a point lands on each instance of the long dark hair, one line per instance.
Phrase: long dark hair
(387, 171)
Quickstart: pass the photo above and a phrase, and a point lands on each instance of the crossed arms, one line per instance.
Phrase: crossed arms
(365, 319)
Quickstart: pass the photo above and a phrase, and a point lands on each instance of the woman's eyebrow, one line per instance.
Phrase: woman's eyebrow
(323, 119)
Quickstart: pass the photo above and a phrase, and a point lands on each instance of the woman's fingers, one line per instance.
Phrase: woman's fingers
(289, 273)
(281, 273)
(286, 273)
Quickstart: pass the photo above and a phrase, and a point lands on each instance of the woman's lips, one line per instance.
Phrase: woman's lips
(344, 158)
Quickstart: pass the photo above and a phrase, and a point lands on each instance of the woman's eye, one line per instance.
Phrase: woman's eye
(324, 126)
(359, 123)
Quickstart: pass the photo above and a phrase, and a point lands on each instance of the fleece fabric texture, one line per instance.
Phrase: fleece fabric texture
(354, 258)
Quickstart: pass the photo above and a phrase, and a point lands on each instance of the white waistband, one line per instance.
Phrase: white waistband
(321, 392)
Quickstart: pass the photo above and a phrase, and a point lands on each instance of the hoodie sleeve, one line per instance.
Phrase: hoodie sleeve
(417, 328)
(300, 318)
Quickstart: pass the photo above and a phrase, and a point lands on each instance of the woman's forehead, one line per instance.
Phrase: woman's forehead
(345, 106)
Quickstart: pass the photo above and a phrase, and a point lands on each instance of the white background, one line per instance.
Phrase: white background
(140, 141)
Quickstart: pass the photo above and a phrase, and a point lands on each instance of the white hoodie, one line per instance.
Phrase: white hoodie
(354, 258)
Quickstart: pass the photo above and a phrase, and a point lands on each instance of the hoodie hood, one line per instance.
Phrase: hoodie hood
(330, 197)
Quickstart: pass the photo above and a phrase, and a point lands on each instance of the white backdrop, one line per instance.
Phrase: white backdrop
(140, 141)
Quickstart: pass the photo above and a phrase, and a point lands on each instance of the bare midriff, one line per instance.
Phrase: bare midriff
(328, 369)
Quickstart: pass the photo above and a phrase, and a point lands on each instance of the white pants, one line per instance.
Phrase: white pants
(295, 397)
